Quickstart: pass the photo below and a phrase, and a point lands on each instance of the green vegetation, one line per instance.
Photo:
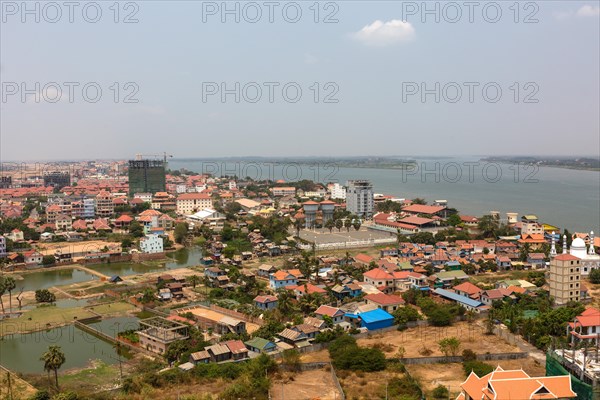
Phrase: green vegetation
(440, 392)
(449, 346)
(595, 276)
(346, 354)
(44, 296)
(478, 367)
(53, 359)
(406, 314)
(540, 329)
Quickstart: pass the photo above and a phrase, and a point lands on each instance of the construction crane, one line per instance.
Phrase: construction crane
(164, 155)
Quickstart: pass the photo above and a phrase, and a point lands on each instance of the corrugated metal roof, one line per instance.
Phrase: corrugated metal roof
(458, 298)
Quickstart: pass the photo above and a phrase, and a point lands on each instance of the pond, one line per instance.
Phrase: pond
(21, 353)
(55, 277)
(178, 259)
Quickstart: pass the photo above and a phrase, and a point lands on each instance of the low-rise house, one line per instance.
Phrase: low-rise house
(151, 244)
(386, 302)
(418, 281)
(266, 270)
(503, 262)
(214, 272)
(372, 320)
(307, 329)
(447, 278)
(342, 291)
(63, 222)
(537, 260)
(176, 289)
(200, 357)
(260, 345)
(281, 279)
(237, 348)
(309, 288)
(586, 326)
(317, 322)
(379, 278)
(466, 302)
(334, 313)
(219, 352)
(364, 259)
(516, 384)
(265, 302)
(489, 296)
(293, 337)
(32, 257)
(469, 290)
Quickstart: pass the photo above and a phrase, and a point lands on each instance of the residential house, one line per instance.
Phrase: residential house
(260, 345)
(281, 279)
(63, 222)
(265, 270)
(586, 326)
(32, 257)
(237, 348)
(467, 289)
(309, 330)
(386, 302)
(467, 302)
(265, 302)
(447, 278)
(151, 244)
(345, 290)
(293, 337)
(219, 352)
(200, 357)
(503, 262)
(537, 260)
(379, 278)
(372, 320)
(334, 313)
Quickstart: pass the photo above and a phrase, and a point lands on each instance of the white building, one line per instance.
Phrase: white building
(337, 191)
(151, 244)
(589, 259)
(190, 203)
(145, 197)
(359, 198)
(232, 185)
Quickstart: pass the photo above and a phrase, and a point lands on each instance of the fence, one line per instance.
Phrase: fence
(348, 245)
(459, 359)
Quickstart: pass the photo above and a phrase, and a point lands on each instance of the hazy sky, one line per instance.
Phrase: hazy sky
(375, 58)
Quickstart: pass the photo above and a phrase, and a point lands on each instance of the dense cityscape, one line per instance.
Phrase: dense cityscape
(126, 279)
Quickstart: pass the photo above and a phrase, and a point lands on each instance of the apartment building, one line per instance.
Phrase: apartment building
(104, 204)
(190, 203)
(359, 198)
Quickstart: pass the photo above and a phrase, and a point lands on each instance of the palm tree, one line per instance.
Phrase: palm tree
(194, 280)
(487, 225)
(339, 224)
(10, 285)
(298, 224)
(53, 359)
(330, 225)
(284, 301)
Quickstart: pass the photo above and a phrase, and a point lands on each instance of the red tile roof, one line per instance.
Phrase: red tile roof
(385, 299)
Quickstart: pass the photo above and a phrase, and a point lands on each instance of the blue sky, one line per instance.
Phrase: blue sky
(367, 61)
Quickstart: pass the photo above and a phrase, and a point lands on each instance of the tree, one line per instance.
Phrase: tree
(488, 225)
(44, 296)
(126, 243)
(419, 200)
(10, 284)
(181, 230)
(449, 346)
(356, 224)
(193, 280)
(339, 224)
(440, 317)
(479, 368)
(135, 229)
(595, 276)
(330, 224)
(48, 260)
(453, 220)
(440, 392)
(53, 359)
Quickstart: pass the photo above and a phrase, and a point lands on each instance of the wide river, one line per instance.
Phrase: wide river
(563, 197)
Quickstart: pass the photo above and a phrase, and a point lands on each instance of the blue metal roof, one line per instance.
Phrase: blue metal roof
(375, 315)
(458, 298)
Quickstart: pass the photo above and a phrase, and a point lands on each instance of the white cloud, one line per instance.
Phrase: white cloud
(583, 11)
(588, 11)
(382, 34)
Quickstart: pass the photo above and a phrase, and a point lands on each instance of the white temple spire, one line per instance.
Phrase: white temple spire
(553, 248)
(564, 244)
(592, 250)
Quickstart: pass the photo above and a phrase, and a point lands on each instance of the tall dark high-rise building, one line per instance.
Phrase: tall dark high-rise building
(58, 179)
(146, 176)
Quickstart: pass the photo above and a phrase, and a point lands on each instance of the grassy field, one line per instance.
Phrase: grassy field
(112, 308)
(44, 317)
(19, 389)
